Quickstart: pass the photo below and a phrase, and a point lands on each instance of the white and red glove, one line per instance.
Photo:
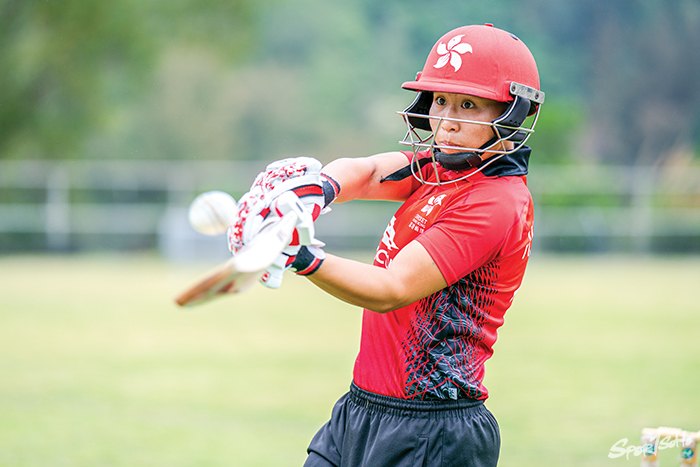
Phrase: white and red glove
(302, 175)
(307, 260)
(304, 236)
(254, 216)
(268, 200)
(248, 220)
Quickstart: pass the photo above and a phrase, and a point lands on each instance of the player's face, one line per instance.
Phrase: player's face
(463, 107)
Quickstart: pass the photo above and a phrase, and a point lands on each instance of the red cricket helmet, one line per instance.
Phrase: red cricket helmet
(480, 61)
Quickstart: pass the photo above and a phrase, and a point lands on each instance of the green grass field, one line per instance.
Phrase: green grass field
(99, 368)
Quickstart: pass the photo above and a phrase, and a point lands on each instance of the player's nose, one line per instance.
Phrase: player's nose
(446, 123)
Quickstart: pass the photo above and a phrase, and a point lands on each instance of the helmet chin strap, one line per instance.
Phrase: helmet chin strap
(462, 160)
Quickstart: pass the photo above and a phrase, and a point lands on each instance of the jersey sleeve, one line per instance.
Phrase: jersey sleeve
(476, 226)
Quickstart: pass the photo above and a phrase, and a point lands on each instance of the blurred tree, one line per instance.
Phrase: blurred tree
(326, 76)
(352, 58)
(64, 63)
(641, 66)
(559, 124)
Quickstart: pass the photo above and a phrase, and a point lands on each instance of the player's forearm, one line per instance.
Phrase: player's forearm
(360, 178)
(355, 177)
(412, 276)
(360, 284)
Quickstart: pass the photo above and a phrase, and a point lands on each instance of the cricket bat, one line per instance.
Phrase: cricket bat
(246, 267)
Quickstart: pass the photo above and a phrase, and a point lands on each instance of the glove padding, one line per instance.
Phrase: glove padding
(303, 237)
(254, 217)
(302, 175)
(248, 221)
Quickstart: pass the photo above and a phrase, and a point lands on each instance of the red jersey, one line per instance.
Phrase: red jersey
(478, 232)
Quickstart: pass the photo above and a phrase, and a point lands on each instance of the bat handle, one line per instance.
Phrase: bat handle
(289, 203)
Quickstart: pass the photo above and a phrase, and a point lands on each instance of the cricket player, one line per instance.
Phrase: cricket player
(448, 265)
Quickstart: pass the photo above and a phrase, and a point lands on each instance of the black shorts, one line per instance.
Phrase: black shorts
(371, 430)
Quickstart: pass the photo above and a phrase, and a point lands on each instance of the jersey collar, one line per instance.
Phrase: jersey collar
(513, 164)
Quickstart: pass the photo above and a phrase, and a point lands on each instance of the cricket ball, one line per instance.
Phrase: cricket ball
(212, 212)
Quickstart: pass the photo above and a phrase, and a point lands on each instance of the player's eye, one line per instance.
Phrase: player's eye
(467, 105)
(439, 100)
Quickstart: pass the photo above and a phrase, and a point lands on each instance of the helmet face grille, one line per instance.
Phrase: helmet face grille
(510, 126)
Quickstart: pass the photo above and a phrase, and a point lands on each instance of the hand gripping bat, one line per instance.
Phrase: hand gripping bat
(247, 266)
(250, 262)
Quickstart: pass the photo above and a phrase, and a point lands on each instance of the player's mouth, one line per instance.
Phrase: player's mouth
(449, 147)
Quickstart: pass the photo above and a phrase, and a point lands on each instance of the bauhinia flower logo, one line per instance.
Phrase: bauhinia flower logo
(452, 52)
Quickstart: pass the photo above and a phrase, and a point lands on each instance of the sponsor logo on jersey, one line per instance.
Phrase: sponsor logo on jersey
(432, 202)
(388, 243)
(420, 221)
(389, 234)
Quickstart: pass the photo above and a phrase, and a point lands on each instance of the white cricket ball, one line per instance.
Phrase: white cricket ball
(212, 212)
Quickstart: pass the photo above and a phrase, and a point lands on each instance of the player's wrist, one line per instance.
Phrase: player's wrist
(331, 189)
(308, 260)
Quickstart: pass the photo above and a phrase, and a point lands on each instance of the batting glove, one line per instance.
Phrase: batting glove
(268, 200)
(248, 220)
(302, 239)
(254, 215)
(302, 260)
(307, 260)
(303, 176)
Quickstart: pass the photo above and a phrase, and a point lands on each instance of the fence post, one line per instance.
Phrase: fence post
(642, 189)
(57, 212)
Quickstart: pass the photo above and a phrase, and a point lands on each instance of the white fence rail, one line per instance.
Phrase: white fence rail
(596, 207)
(618, 207)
